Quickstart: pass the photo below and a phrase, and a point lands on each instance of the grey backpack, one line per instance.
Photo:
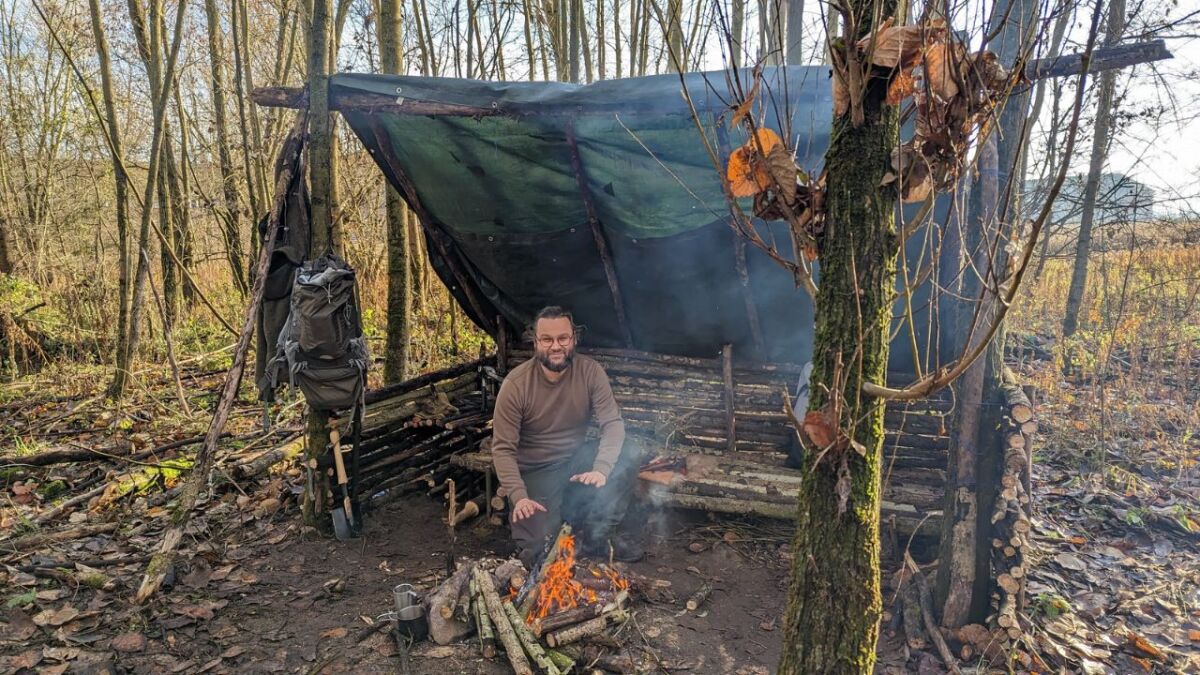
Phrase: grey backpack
(321, 344)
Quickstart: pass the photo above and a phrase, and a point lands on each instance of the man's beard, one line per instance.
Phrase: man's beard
(543, 357)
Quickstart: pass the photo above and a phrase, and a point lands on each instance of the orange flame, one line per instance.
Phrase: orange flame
(619, 582)
(558, 589)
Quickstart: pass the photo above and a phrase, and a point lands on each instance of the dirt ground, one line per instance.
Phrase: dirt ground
(302, 612)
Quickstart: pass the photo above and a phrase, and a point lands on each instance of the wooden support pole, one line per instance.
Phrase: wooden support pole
(602, 247)
(727, 377)
(501, 345)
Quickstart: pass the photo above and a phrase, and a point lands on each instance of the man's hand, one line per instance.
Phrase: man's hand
(593, 478)
(526, 508)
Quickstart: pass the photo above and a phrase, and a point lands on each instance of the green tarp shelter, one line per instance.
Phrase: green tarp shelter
(601, 198)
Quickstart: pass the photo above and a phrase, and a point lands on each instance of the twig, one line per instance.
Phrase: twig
(931, 627)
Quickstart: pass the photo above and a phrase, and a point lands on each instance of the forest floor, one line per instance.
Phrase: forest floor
(1115, 585)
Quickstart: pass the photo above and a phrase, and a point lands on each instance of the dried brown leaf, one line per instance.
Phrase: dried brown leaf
(819, 428)
(1142, 646)
(940, 70)
(129, 642)
(335, 633)
(892, 46)
(1070, 561)
(747, 170)
(19, 627)
(55, 617)
(901, 87)
(26, 659)
(742, 112)
(782, 168)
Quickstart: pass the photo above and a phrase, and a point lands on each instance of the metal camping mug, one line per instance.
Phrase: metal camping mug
(405, 596)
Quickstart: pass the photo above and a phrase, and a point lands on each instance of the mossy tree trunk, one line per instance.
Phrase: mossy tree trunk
(320, 159)
(834, 605)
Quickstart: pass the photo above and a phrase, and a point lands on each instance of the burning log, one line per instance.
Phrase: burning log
(586, 629)
(501, 623)
(570, 617)
(698, 598)
(483, 622)
(532, 647)
(534, 580)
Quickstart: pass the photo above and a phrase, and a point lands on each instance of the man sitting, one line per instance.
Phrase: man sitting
(549, 470)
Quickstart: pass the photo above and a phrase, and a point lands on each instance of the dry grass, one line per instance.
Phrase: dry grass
(1130, 403)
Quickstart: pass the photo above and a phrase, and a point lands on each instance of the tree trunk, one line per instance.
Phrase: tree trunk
(120, 178)
(675, 35)
(6, 264)
(320, 150)
(232, 232)
(1100, 138)
(616, 24)
(161, 78)
(585, 44)
(166, 219)
(180, 183)
(794, 44)
(964, 572)
(530, 54)
(831, 622)
(575, 12)
(399, 301)
(737, 25)
(239, 94)
(601, 47)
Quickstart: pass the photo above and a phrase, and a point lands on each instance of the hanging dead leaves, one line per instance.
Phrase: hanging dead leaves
(764, 168)
(954, 93)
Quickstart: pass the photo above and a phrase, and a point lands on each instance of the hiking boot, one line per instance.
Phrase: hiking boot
(623, 549)
(528, 556)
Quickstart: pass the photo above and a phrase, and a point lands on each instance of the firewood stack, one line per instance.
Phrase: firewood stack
(561, 613)
(1010, 519)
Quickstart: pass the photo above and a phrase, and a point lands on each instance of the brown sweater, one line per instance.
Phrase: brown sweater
(539, 423)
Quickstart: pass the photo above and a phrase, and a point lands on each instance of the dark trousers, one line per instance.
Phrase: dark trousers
(592, 512)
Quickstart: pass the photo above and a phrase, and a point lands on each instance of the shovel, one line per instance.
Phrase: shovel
(346, 517)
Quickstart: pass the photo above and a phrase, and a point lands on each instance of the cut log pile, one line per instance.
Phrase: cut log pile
(562, 616)
(1010, 519)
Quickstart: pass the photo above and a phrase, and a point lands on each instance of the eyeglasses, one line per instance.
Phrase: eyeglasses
(563, 340)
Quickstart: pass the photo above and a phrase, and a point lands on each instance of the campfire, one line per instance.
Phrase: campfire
(561, 613)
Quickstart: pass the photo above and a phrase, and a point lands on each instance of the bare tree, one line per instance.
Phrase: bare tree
(161, 74)
(232, 216)
(120, 178)
(399, 297)
(1114, 29)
